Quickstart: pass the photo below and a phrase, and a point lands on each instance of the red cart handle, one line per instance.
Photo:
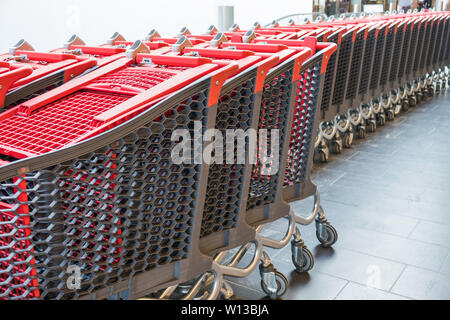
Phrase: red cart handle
(263, 69)
(8, 78)
(45, 56)
(93, 50)
(218, 78)
(256, 47)
(328, 49)
(298, 62)
(181, 61)
(309, 42)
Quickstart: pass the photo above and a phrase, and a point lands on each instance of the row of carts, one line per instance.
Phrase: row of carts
(93, 203)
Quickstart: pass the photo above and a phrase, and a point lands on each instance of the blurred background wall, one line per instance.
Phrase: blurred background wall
(46, 24)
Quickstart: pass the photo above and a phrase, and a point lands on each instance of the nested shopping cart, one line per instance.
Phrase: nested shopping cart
(268, 196)
(330, 34)
(408, 76)
(225, 225)
(351, 104)
(394, 43)
(435, 65)
(278, 92)
(26, 72)
(429, 35)
(297, 184)
(112, 215)
(262, 194)
(339, 131)
(396, 76)
(368, 114)
(444, 53)
(433, 41)
(419, 82)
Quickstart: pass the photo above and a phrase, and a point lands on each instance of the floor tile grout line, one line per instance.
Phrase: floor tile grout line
(399, 276)
(399, 236)
(398, 214)
(337, 179)
(382, 290)
(345, 285)
(382, 233)
(352, 281)
(353, 154)
(387, 259)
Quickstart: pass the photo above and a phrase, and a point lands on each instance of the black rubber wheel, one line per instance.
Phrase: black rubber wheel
(320, 156)
(390, 115)
(405, 106)
(331, 236)
(361, 133)
(381, 120)
(418, 97)
(372, 126)
(307, 263)
(347, 139)
(335, 147)
(282, 284)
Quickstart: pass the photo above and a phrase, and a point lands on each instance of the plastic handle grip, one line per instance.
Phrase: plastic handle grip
(8, 78)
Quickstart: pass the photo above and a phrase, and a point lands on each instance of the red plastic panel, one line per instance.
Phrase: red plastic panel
(142, 78)
(40, 133)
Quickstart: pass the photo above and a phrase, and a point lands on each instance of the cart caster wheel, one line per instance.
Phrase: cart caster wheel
(405, 106)
(321, 152)
(282, 284)
(321, 156)
(307, 262)
(381, 119)
(361, 132)
(372, 126)
(329, 236)
(390, 115)
(335, 147)
(347, 139)
(418, 97)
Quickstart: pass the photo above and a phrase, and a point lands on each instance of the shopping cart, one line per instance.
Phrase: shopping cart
(428, 69)
(368, 114)
(352, 102)
(225, 226)
(398, 71)
(408, 76)
(436, 70)
(267, 197)
(26, 73)
(419, 82)
(443, 53)
(327, 129)
(264, 200)
(341, 132)
(113, 215)
(392, 63)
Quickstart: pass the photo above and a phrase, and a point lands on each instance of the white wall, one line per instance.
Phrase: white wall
(46, 24)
